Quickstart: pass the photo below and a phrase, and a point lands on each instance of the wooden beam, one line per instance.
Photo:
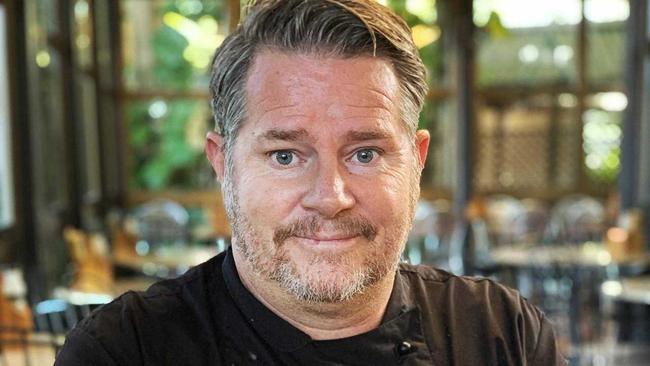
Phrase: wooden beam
(234, 14)
(628, 183)
(121, 138)
(100, 119)
(464, 46)
(72, 148)
(644, 168)
(461, 26)
(24, 235)
(581, 94)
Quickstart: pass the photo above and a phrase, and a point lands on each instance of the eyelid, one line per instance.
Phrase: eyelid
(296, 158)
(374, 149)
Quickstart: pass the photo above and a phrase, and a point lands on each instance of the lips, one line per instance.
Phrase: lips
(328, 242)
(339, 237)
(336, 231)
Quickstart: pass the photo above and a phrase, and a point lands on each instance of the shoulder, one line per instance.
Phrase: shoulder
(137, 323)
(481, 314)
(162, 299)
(474, 291)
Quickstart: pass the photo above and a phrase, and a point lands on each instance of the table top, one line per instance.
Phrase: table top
(589, 254)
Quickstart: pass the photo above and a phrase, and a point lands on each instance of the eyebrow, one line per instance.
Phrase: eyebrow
(301, 134)
(366, 135)
(285, 135)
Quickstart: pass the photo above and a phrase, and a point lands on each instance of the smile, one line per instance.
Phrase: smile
(326, 241)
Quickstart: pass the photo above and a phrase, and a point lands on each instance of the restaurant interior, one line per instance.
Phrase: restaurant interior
(538, 173)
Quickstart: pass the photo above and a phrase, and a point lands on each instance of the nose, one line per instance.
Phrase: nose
(329, 193)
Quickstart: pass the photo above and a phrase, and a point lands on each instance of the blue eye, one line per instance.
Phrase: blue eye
(283, 157)
(365, 156)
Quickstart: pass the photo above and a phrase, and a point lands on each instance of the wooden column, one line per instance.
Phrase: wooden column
(636, 51)
(234, 10)
(72, 149)
(464, 46)
(462, 28)
(644, 168)
(24, 236)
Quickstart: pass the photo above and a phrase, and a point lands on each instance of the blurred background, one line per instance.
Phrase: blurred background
(538, 173)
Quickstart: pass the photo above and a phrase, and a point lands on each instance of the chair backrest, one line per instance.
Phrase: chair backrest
(162, 222)
(54, 318)
(429, 237)
(576, 219)
(504, 219)
(92, 268)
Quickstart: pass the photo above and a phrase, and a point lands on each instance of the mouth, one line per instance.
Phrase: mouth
(323, 241)
(317, 232)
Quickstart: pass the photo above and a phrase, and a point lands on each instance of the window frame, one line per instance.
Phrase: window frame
(124, 95)
(582, 88)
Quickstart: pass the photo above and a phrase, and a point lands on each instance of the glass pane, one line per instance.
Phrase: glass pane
(45, 91)
(521, 43)
(527, 145)
(439, 172)
(6, 180)
(422, 17)
(82, 36)
(167, 141)
(601, 136)
(606, 42)
(169, 44)
(87, 112)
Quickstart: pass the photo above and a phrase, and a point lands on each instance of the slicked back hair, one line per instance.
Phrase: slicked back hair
(328, 28)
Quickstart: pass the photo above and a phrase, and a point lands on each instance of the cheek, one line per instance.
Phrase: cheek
(266, 200)
(387, 197)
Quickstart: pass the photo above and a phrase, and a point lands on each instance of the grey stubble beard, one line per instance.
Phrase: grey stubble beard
(271, 261)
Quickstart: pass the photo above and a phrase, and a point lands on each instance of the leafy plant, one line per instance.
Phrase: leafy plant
(163, 132)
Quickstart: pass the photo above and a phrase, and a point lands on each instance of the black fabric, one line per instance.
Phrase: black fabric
(207, 317)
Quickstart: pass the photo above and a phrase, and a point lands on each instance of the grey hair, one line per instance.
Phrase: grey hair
(334, 28)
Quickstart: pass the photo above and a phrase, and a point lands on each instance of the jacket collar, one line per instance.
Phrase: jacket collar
(401, 323)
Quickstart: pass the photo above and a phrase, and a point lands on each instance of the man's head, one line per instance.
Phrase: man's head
(327, 28)
(316, 104)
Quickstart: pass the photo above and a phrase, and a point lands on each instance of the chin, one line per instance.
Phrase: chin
(328, 278)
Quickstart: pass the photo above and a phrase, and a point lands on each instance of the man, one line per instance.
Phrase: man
(316, 104)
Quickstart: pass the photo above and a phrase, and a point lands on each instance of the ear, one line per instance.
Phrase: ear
(215, 153)
(422, 139)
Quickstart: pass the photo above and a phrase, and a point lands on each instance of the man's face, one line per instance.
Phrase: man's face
(325, 175)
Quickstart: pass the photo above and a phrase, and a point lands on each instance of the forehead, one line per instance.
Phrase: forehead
(307, 84)
(282, 68)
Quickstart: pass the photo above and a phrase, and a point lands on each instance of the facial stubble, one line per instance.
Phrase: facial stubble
(345, 280)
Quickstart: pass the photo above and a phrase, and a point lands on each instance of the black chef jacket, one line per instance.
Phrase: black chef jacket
(207, 317)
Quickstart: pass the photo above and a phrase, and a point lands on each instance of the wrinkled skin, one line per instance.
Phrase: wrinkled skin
(325, 175)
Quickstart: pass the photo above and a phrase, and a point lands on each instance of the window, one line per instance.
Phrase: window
(550, 75)
(426, 19)
(167, 47)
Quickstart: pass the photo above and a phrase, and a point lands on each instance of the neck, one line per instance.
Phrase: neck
(321, 321)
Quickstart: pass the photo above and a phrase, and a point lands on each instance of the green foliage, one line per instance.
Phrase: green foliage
(431, 54)
(162, 155)
(172, 70)
(601, 145)
(494, 27)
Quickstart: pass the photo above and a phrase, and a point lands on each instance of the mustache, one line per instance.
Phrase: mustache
(310, 226)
